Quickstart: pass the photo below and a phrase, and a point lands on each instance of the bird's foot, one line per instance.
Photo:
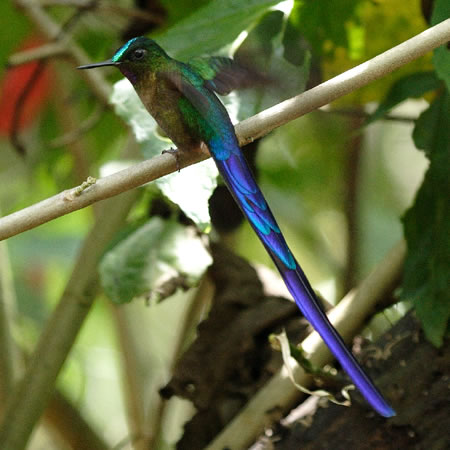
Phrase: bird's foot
(176, 154)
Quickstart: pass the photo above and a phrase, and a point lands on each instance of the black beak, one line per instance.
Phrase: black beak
(108, 62)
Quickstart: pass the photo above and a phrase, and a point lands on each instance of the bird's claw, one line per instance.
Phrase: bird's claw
(175, 153)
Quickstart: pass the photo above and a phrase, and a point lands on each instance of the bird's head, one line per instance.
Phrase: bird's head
(134, 58)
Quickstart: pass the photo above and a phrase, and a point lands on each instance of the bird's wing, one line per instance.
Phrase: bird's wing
(224, 75)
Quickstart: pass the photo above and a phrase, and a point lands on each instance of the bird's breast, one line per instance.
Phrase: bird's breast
(162, 102)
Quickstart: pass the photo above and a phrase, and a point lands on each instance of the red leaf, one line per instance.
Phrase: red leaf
(13, 84)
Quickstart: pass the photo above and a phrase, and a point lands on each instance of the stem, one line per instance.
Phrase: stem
(72, 427)
(353, 159)
(133, 384)
(198, 305)
(9, 355)
(247, 131)
(35, 54)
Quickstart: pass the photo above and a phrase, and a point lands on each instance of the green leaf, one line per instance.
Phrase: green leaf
(190, 189)
(327, 25)
(264, 45)
(212, 27)
(411, 86)
(142, 262)
(178, 9)
(426, 224)
(441, 56)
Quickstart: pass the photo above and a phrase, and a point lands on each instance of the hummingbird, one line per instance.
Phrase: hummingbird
(182, 99)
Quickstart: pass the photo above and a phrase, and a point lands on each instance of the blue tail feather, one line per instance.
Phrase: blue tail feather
(246, 192)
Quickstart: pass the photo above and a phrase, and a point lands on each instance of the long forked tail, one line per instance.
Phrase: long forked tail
(240, 181)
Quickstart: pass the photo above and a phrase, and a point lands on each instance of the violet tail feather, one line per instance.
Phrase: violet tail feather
(246, 192)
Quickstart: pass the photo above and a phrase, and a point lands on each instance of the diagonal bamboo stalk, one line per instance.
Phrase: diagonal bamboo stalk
(248, 130)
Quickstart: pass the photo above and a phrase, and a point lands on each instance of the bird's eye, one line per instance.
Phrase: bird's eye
(139, 53)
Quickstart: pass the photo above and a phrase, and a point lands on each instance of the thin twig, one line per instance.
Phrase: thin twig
(71, 137)
(347, 317)
(131, 371)
(103, 6)
(77, 56)
(73, 428)
(351, 202)
(247, 131)
(358, 113)
(197, 308)
(44, 51)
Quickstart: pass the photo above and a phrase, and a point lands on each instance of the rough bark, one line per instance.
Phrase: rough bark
(420, 374)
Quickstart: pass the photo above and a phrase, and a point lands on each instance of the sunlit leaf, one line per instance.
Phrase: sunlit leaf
(327, 25)
(212, 27)
(385, 24)
(147, 257)
(264, 45)
(190, 189)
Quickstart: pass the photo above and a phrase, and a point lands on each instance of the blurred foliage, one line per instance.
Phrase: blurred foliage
(148, 257)
(441, 56)
(303, 169)
(427, 274)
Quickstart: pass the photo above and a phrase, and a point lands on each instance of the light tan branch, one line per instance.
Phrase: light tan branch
(34, 54)
(247, 131)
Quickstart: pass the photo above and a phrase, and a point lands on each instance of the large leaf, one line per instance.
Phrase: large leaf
(441, 56)
(373, 28)
(142, 262)
(327, 25)
(190, 189)
(264, 45)
(426, 224)
(212, 27)
(179, 9)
